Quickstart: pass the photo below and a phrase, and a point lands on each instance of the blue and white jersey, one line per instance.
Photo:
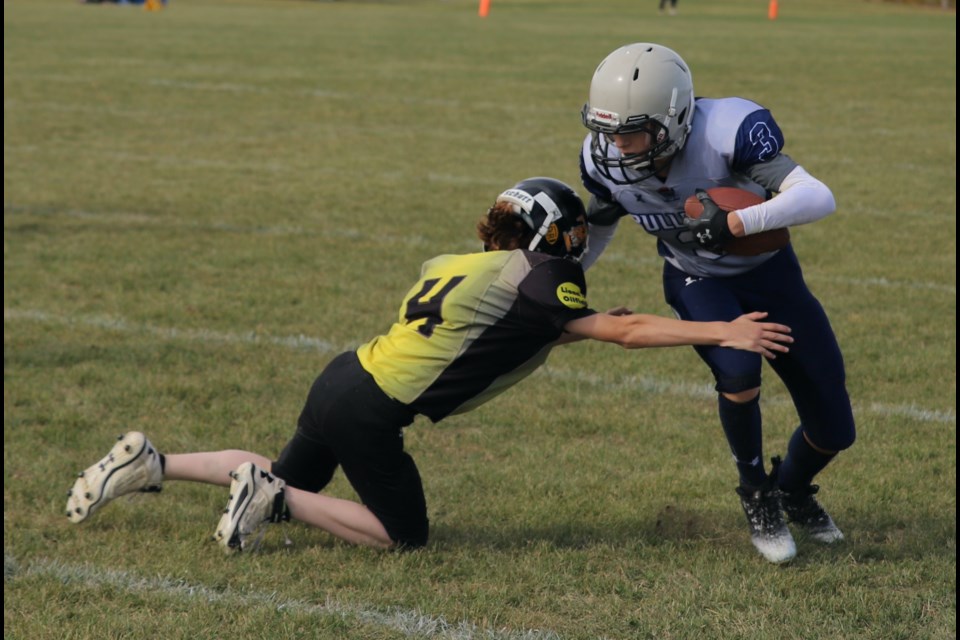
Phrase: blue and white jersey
(728, 137)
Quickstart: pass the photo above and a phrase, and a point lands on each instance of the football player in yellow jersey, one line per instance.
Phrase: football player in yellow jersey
(472, 326)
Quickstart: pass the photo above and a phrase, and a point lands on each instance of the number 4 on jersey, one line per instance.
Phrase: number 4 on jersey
(418, 307)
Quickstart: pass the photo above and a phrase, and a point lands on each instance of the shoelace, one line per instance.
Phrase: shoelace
(769, 507)
(763, 507)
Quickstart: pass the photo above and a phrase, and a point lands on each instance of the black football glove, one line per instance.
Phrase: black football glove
(710, 230)
(603, 212)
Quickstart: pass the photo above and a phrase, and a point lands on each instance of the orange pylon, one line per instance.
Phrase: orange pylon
(484, 8)
(773, 9)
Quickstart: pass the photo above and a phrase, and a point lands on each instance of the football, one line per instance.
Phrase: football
(733, 199)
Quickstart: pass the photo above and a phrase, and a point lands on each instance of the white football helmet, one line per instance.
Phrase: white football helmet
(639, 87)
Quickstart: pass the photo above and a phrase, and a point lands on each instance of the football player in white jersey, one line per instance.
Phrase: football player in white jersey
(652, 144)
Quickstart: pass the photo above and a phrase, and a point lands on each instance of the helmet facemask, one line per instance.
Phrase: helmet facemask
(633, 167)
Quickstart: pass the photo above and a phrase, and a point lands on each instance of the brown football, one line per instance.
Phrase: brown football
(732, 199)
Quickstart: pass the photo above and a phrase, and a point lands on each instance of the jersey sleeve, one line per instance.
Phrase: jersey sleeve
(759, 139)
(554, 292)
(770, 175)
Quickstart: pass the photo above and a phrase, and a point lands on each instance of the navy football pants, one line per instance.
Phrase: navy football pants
(813, 371)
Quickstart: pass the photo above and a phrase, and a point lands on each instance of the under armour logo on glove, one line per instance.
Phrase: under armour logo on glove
(710, 229)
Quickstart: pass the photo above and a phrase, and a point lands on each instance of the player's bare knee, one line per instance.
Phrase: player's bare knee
(741, 397)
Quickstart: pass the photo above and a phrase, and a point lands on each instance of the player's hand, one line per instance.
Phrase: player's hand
(710, 230)
(749, 334)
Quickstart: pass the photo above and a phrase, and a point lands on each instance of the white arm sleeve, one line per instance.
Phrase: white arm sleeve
(598, 237)
(802, 199)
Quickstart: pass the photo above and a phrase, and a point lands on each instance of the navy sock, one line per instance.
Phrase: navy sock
(802, 463)
(743, 427)
(163, 462)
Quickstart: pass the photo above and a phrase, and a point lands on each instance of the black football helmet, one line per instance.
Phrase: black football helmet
(554, 212)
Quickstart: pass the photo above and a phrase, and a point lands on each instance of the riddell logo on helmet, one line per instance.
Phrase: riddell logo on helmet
(604, 115)
(519, 196)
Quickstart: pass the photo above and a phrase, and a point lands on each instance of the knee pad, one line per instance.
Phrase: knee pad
(827, 420)
(834, 440)
(836, 435)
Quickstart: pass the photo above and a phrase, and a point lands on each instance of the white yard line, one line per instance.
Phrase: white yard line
(644, 384)
(409, 622)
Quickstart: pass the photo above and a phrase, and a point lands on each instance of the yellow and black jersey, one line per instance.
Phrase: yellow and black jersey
(473, 326)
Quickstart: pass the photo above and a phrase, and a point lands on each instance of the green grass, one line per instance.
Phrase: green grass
(203, 205)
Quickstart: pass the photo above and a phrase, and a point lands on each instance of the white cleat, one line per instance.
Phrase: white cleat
(256, 499)
(132, 465)
(768, 531)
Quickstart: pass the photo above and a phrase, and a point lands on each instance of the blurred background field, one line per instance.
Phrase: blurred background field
(204, 204)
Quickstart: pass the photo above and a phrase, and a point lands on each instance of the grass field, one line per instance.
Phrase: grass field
(203, 205)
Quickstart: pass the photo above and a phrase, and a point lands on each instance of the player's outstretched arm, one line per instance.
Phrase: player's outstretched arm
(640, 331)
